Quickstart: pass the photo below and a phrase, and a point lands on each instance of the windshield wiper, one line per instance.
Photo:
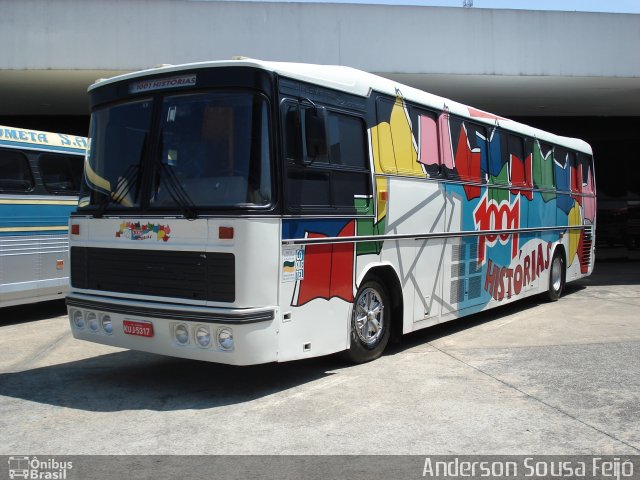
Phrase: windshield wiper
(123, 187)
(177, 193)
(175, 189)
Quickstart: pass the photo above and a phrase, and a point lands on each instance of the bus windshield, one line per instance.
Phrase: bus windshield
(208, 150)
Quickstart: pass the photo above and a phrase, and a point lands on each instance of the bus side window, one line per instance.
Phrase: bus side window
(528, 162)
(517, 163)
(561, 169)
(542, 165)
(478, 150)
(61, 173)
(15, 173)
(338, 181)
(499, 158)
(305, 134)
(292, 133)
(346, 147)
(428, 153)
(576, 173)
(586, 162)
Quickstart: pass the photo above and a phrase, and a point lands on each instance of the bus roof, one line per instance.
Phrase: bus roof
(360, 83)
(23, 138)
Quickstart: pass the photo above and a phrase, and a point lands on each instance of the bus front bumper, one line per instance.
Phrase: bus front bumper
(230, 336)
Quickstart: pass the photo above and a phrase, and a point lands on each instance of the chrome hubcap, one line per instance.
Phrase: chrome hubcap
(369, 317)
(556, 274)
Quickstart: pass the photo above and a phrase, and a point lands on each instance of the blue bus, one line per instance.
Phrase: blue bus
(40, 176)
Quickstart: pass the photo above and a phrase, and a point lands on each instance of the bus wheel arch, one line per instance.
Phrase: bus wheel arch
(557, 274)
(379, 285)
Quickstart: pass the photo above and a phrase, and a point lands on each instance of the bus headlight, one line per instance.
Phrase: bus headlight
(203, 336)
(92, 320)
(107, 326)
(181, 334)
(225, 339)
(78, 318)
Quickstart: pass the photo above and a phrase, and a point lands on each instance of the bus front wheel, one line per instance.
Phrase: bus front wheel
(370, 323)
(556, 277)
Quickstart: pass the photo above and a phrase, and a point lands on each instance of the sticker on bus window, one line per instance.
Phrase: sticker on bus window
(292, 264)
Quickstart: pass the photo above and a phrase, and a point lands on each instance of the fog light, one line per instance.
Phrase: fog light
(225, 339)
(92, 320)
(203, 336)
(107, 326)
(78, 318)
(181, 333)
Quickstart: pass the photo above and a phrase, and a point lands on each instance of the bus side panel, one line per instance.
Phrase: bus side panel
(569, 213)
(464, 257)
(18, 269)
(316, 289)
(490, 270)
(417, 205)
(54, 264)
(34, 249)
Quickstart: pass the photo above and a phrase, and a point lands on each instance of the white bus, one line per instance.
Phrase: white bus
(245, 212)
(40, 176)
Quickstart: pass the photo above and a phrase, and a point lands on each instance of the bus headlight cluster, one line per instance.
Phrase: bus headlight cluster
(181, 334)
(93, 321)
(225, 338)
(78, 318)
(107, 326)
(202, 336)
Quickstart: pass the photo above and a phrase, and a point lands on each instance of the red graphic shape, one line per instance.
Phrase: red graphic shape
(328, 269)
(468, 165)
(521, 176)
(576, 183)
(474, 112)
(584, 254)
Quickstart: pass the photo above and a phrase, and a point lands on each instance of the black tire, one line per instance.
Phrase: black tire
(370, 323)
(557, 277)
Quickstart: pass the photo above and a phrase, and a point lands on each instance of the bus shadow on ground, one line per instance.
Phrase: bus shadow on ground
(32, 312)
(613, 273)
(452, 327)
(132, 380)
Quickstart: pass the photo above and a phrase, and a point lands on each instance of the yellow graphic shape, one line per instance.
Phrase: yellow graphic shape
(575, 219)
(394, 151)
(394, 146)
(383, 190)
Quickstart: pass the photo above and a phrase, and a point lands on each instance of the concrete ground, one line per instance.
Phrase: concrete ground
(529, 378)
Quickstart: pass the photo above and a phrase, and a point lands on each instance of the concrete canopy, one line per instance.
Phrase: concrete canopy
(511, 62)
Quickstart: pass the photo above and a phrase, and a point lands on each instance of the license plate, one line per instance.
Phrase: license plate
(141, 329)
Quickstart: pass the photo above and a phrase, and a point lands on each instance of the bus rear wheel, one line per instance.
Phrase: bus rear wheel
(556, 277)
(370, 323)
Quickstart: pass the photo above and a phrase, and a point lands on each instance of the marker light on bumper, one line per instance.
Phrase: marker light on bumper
(225, 339)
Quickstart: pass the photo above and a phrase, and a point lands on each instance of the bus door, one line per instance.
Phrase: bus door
(431, 209)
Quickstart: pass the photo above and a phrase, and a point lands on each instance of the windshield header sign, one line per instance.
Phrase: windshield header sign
(160, 83)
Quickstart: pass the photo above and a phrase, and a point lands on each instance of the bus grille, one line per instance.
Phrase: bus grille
(587, 243)
(189, 275)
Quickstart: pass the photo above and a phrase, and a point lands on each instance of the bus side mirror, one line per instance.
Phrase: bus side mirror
(315, 131)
